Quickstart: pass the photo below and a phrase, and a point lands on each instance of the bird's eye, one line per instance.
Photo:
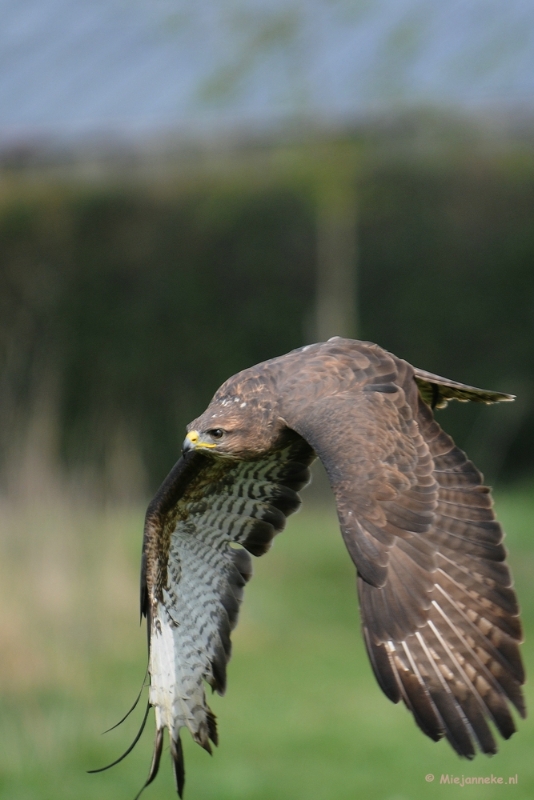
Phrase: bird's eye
(216, 433)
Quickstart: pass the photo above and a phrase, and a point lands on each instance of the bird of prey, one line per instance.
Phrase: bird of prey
(440, 618)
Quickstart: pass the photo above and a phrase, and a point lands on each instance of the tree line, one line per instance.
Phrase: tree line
(124, 306)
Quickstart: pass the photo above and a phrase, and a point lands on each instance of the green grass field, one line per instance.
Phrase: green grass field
(303, 718)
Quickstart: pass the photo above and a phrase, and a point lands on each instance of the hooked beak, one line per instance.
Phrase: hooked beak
(193, 442)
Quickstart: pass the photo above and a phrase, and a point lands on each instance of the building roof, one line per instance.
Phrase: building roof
(71, 68)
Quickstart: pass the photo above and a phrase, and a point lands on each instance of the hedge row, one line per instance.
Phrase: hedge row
(132, 305)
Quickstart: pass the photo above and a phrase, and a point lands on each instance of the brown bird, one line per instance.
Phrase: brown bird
(439, 614)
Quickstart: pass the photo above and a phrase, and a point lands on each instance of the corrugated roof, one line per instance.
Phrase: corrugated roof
(71, 67)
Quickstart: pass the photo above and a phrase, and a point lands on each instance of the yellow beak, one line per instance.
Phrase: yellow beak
(193, 442)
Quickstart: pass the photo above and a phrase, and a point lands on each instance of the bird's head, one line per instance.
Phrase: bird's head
(206, 439)
(235, 425)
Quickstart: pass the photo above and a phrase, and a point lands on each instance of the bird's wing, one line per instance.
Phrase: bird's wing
(207, 517)
(440, 617)
(437, 391)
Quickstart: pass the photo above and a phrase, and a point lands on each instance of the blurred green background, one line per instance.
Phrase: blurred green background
(302, 716)
(139, 270)
(125, 306)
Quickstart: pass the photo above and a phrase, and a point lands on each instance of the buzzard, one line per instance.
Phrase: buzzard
(439, 614)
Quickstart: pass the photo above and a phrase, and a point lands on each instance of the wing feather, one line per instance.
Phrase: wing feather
(439, 614)
(437, 391)
(193, 575)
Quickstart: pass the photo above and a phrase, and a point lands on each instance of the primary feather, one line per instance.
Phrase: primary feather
(439, 614)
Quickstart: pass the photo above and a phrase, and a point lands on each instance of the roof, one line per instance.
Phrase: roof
(136, 67)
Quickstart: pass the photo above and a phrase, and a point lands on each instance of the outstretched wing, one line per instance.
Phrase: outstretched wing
(200, 528)
(440, 617)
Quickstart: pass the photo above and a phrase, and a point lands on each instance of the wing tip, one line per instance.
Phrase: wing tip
(178, 765)
(130, 748)
(437, 391)
(154, 766)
